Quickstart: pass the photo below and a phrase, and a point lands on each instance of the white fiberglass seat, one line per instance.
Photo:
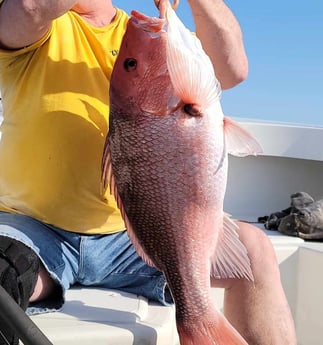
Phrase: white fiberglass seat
(93, 316)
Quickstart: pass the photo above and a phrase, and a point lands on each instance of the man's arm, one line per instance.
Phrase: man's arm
(23, 22)
(221, 37)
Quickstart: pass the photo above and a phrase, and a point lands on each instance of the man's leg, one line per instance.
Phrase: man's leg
(259, 310)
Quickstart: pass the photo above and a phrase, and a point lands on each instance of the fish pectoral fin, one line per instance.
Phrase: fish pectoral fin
(190, 69)
(108, 179)
(239, 142)
(230, 259)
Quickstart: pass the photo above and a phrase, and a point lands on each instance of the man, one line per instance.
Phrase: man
(55, 227)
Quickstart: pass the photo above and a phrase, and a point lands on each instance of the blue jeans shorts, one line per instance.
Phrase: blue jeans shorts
(108, 261)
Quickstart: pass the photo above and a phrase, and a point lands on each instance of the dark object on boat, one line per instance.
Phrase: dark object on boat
(298, 201)
(19, 267)
(272, 222)
(306, 223)
(20, 323)
(304, 218)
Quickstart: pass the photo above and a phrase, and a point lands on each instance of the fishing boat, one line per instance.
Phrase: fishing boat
(292, 160)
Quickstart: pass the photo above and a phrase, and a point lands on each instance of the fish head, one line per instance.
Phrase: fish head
(140, 79)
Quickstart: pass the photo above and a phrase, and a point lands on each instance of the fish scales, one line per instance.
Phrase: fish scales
(161, 191)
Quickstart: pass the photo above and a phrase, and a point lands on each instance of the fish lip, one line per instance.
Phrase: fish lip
(148, 24)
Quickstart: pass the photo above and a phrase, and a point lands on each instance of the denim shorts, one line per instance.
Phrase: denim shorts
(108, 261)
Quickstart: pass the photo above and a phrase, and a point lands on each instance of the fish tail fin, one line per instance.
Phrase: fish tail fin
(206, 332)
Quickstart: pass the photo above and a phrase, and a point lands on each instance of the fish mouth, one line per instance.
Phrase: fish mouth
(146, 23)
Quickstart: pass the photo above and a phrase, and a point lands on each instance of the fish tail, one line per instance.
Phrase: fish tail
(219, 332)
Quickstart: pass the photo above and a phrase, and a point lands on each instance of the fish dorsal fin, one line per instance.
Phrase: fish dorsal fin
(239, 142)
(230, 259)
(190, 69)
(108, 178)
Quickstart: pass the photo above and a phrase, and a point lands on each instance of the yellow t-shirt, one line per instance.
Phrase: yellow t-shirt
(55, 108)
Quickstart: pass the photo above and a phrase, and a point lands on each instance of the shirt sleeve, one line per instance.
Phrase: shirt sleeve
(20, 51)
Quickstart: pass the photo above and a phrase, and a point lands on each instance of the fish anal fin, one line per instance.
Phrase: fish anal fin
(230, 259)
(239, 141)
(107, 178)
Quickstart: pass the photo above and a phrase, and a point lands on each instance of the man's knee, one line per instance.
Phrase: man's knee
(19, 267)
(260, 250)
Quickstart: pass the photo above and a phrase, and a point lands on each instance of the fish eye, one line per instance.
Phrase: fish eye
(130, 64)
(192, 109)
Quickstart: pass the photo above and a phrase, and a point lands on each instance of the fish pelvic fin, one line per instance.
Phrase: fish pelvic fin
(190, 69)
(206, 332)
(239, 142)
(106, 167)
(230, 259)
(108, 179)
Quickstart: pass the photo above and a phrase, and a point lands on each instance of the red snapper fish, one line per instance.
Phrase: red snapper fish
(165, 158)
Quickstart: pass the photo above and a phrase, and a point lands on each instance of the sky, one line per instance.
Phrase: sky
(284, 44)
